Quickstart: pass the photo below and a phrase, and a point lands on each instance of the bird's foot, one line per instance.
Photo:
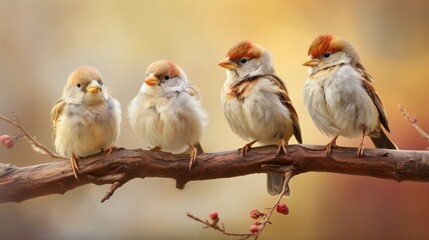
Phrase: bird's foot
(246, 148)
(192, 156)
(282, 147)
(74, 166)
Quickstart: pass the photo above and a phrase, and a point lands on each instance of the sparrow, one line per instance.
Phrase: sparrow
(256, 103)
(86, 119)
(167, 112)
(340, 97)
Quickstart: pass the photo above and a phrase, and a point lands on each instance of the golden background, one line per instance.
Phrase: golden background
(41, 42)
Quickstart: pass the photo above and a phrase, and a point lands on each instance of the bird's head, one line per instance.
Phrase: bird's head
(247, 59)
(165, 76)
(84, 85)
(328, 50)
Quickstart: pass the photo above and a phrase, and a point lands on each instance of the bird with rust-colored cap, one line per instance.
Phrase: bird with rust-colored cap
(86, 119)
(340, 97)
(167, 112)
(256, 103)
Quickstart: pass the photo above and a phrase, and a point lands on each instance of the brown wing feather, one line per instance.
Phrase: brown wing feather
(55, 114)
(284, 97)
(367, 84)
(193, 91)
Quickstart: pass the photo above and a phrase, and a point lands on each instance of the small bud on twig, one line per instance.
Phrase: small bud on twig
(255, 214)
(254, 229)
(7, 141)
(257, 223)
(214, 216)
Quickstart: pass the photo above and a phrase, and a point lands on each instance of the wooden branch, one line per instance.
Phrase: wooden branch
(21, 183)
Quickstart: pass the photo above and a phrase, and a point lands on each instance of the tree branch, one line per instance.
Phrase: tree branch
(121, 165)
(413, 122)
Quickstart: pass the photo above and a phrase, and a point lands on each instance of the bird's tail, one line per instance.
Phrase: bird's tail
(275, 184)
(382, 141)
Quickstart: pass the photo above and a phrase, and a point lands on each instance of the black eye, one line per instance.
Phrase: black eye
(167, 77)
(326, 54)
(243, 60)
(78, 85)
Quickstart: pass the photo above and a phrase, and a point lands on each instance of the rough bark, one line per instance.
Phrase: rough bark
(21, 183)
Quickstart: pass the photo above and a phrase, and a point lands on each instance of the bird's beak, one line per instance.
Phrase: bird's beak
(311, 62)
(228, 64)
(93, 87)
(151, 80)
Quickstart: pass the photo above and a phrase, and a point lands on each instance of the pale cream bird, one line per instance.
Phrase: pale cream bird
(340, 97)
(86, 119)
(167, 113)
(256, 103)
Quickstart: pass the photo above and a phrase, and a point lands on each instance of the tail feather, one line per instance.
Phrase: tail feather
(382, 141)
(275, 184)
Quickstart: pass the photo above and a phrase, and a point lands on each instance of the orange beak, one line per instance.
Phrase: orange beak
(151, 80)
(311, 62)
(228, 64)
(92, 89)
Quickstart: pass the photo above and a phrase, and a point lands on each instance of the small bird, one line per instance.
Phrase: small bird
(167, 112)
(86, 119)
(339, 94)
(256, 103)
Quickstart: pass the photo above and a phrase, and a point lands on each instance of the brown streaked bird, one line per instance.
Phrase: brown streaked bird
(256, 103)
(86, 119)
(167, 112)
(340, 97)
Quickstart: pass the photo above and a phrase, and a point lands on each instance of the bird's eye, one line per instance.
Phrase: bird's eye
(167, 77)
(78, 85)
(243, 60)
(326, 54)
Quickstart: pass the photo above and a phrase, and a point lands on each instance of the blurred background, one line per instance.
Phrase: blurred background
(42, 42)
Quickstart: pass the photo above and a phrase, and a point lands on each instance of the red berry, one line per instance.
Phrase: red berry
(7, 141)
(254, 228)
(282, 208)
(214, 216)
(255, 214)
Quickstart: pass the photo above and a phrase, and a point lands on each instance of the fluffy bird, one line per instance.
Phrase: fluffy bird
(340, 97)
(256, 103)
(86, 119)
(167, 112)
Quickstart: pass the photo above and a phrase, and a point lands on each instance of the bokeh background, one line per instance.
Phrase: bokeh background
(42, 41)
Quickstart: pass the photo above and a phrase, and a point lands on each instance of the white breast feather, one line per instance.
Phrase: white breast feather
(169, 122)
(260, 116)
(335, 102)
(85, 130)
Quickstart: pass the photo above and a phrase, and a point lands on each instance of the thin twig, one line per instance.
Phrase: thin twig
(38, 147)
(267, 216)
(215, 226)
(413, 122)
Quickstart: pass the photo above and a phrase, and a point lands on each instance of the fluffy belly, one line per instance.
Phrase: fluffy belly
(339, 105)
(173, 131)
(265, 120)
(82, 141)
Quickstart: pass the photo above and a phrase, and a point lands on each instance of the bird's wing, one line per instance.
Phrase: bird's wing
(193, 91)
(367, 84)
(55, 114)
(284, 98)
